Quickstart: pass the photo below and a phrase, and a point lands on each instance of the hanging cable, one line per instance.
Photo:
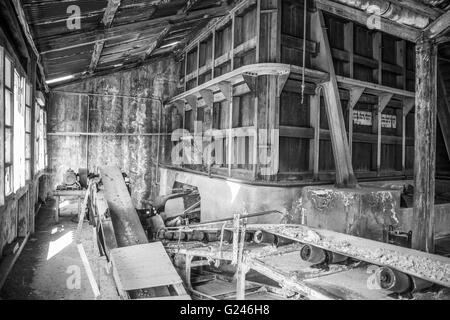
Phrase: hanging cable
(304, 48)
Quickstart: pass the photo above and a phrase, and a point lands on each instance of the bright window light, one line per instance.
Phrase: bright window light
(60, 79)
(58, 245)
(170, 44)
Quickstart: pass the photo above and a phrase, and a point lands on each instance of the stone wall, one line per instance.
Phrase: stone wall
(119, 118)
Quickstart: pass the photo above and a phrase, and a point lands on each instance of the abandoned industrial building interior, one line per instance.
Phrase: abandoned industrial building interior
(225, 150)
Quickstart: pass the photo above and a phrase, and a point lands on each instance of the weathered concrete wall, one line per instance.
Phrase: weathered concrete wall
(115, 106)
(441, 224)
(361, 212)
(221, 198)
(18, 214)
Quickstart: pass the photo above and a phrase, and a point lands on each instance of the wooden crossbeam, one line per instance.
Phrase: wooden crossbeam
(110, 12)
(341, 150)
(29, 37)
(155, 44)
(353, 14)
(438, 26)
(73, 40)
(107, 20)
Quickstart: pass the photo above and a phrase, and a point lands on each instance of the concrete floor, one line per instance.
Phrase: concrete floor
(50, 266)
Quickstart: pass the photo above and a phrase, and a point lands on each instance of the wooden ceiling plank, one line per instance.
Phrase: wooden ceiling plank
(26, 30)
(107, 20)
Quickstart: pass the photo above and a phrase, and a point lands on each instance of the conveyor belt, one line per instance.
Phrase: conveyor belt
(429, 267)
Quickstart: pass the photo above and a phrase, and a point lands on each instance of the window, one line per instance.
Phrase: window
(41, 138)
(28, 132)
(9, 117)
(19, 132)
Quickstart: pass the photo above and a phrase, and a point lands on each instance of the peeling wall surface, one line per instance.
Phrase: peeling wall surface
(221, 198)
(361, 212)
(18, 214)
(116, 116)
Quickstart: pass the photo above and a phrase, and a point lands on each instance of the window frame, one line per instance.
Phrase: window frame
(9, 165)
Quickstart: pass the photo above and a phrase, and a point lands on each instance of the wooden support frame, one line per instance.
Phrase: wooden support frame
(227, 90)
(2, 126)
(108, 17)
(315, 123)
(341, 150)
(443, 112)
(438, 26)
(408, 104)
(425, 145)
(361, 17)
(355, 94)
(383, 100)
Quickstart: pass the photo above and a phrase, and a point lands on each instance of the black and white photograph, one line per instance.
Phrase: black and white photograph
(237, 157)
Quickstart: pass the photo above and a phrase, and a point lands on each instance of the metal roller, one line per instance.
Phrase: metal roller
(280, 241)
(336, 257)
(156, 223)
(249, 236)
(393, 280)
(263, 237)
(198, 235)
(227, 235)
(313, 254)
(212, 236)
(160, 234)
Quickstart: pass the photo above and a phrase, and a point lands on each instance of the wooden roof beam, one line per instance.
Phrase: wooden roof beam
(107, 20)
(438, 26)
(26, 30)
(80, 38)
(356, 15)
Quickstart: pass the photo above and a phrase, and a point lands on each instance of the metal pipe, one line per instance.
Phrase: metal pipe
(251, 215)
(391, 11)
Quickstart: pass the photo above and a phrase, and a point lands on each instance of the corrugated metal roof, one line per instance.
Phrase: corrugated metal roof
(137, 24)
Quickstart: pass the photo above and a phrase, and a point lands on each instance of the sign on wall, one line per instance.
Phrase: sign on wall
(364, 118)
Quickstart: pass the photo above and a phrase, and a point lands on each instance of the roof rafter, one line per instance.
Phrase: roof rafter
(107, 20)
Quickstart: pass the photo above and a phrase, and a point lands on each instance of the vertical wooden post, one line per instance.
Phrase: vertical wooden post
(383, 100)
(425, 145)
(315, 123)
(213, 61)
(341, 151)
(408, 104)
(57, 210)
(227, 90)
(2, 126)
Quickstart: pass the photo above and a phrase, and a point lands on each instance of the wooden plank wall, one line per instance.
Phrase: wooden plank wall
(253, 33)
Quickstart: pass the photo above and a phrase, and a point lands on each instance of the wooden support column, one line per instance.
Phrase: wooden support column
(343, 162)
(443, 113)
(208, 97)
(355, 94)
(2, 126)
(408, 104)
(425, 145)
(179, 104)
(197, 134)
(227, 90)
(315, 123)
(383, 100)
